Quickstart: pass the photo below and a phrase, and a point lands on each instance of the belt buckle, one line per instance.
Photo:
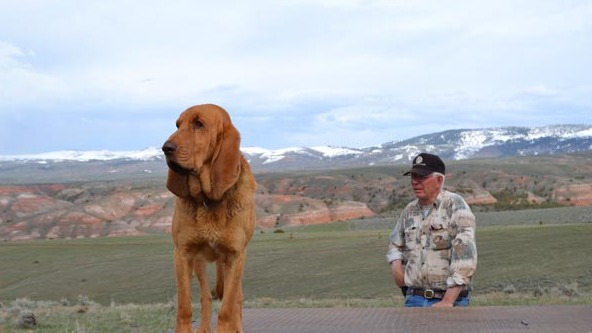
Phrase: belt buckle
(428, 294)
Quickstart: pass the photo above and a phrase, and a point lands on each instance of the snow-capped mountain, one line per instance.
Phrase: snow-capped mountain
(451, 144)
(90, 155)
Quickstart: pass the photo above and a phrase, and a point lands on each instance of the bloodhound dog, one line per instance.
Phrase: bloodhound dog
(214, 216)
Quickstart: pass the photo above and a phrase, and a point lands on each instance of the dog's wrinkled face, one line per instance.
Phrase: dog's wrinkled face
(191, 146)
(203, 155)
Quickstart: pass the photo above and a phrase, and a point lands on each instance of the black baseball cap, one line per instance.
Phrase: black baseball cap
(424, 164)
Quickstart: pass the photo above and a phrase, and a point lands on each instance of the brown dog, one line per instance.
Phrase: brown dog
(214, 216)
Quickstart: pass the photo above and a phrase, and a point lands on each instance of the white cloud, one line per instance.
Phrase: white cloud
(20, 82)
(301, 70)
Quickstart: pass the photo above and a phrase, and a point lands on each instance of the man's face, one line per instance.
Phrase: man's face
(426, 188)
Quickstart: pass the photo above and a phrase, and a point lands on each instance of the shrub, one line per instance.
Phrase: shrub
(509, 289)
(84, 300)
(568, 289)
(27, 320)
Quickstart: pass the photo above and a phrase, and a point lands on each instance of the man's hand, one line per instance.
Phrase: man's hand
(450, 297)
(398, 271)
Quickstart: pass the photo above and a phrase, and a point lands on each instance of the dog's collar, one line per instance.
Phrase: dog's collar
(206, 202)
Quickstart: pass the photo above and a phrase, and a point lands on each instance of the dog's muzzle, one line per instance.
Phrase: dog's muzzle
(170, 148)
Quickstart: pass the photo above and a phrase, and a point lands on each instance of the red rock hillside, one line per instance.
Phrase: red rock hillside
(144, 206)
(101, 210)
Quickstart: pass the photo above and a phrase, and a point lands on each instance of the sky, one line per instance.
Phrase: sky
(115, 74)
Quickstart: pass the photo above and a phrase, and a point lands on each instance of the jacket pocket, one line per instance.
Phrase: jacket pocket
(411, 237)
(440, 235)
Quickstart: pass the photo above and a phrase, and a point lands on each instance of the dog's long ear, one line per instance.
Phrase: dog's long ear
(226, 164)
(178, 184)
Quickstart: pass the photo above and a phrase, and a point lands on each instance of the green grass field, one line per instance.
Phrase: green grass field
(290, 265)
(320, 266)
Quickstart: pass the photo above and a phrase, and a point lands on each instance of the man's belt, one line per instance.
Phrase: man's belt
(430, 293)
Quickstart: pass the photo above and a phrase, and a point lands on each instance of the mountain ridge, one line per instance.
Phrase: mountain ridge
(453, 144)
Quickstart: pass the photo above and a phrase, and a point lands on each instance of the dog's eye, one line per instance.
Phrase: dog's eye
(198, 124)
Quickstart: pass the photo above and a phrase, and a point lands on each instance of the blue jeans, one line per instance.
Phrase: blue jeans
(414, 301)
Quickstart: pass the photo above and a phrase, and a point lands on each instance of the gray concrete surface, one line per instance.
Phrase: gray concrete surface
(552, 319)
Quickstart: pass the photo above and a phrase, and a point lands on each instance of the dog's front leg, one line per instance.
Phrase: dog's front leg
(200, 266)
(230, 316)
(183, 273)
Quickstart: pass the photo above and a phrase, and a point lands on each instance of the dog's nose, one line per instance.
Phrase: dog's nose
(169, 148)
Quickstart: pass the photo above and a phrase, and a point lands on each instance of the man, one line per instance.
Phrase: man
(432, 250)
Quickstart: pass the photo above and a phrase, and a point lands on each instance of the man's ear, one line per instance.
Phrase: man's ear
(178, 184)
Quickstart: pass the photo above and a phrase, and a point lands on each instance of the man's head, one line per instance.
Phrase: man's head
(427, 177)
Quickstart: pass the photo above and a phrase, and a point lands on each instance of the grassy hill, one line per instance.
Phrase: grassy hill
(290, 265)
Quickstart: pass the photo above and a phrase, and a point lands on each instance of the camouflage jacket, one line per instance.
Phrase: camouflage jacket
(438, 250)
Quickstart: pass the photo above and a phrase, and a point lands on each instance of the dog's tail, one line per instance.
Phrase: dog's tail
(219, 280)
